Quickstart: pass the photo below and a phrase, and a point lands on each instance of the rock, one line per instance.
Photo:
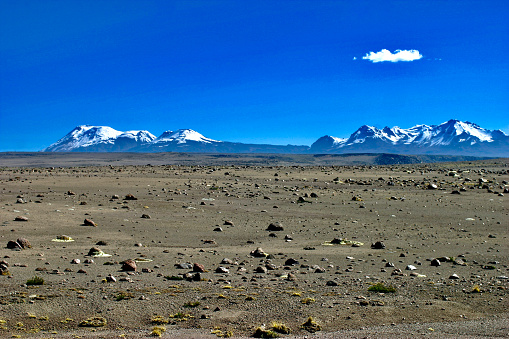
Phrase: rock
(226, 261)
(258, 253)
(129, 265)
(89, 222)
(115, 197)
(20, 201)
(411, 268)
(288, 237)
(24, 243)
(130, 197)
(435, 262)
(389, 264)
(21, 218)
(319, 269)
(291, 262)
(70, 193)
(291, 277)
(331, 283)
(94, 251)
(218, 229)
(275, 227)
(145, 216)
(82, 271)
(454, 276)
(459, 262)
(378, 245)
(111, 278)
(455, 192)
(222, 269)
(198, 268)
(184, 266)
(228, 223)
(13, 245)
(75, 261)
(261, 269)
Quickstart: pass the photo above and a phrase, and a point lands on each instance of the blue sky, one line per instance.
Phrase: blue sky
(282, 72)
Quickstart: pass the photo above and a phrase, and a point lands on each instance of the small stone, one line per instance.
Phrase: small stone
(218, 229)
(75, 261)
(261, 269)
(24, 243)
(435, 262)
(291, 262)
(378, 245)
(198, 268)
(228, 223)
(13, 245)
(111, 278)
(130, 197)
(258, 253)
(129, 265)
(226, 261)
(222, 269)
(454, 276)
(145, 216)
(275, 227)
(89, 222)
(21, 218)
(411, 268)
(331, 283)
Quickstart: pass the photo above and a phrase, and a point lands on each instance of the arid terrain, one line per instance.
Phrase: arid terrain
(373, 251)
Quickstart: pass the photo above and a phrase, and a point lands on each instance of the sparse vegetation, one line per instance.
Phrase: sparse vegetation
(311, 326)
(280, 328)
(93, 322)
(35, 280)
(308, 301)
(159, 320)
(262, 333)
(192, 304)
(381, 288)
(158, 331)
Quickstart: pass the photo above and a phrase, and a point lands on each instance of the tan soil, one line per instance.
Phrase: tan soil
(186, 204)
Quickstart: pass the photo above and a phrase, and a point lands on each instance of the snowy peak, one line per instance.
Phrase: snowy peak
(182, 136)
(450, 137)
(139, 136)
(84, 136)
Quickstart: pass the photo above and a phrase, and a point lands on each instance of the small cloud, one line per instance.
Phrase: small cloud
(355, 58)
(399, 55)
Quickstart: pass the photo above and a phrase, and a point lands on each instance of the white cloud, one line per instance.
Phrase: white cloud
(399, 55)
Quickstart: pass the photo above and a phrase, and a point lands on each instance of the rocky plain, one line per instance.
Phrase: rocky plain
(234, 250)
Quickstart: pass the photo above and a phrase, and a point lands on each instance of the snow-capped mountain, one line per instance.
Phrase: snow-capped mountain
(182, 136)
(88, 138)
(452, 137)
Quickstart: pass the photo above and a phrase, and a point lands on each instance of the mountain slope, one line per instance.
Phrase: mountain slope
(452, 137)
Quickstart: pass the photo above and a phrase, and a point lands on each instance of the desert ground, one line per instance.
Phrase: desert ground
(132, 250)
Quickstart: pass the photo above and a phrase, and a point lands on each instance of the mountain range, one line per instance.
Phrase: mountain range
(453, 137)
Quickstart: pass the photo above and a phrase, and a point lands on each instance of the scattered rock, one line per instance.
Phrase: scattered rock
(145, 216)
(129, 265)
(258, 253)
(24, 243)
(275, 227)
(21, 218)
(435, 262)
(89, 222)
(130, 197)
(378, 245)
(198, 268)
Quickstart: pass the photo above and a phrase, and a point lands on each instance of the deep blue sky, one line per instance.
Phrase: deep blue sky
(248, 71)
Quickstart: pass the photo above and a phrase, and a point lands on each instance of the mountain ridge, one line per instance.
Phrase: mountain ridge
(452, 137)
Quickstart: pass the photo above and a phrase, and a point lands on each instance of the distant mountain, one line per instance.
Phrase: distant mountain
(450, 138)
(100, 139)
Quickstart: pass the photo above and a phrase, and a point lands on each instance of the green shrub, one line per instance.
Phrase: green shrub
(35, 280)
(381, 288)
